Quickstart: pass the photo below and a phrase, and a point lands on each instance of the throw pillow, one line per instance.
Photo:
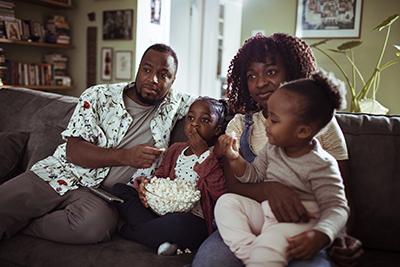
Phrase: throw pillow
(11, 152)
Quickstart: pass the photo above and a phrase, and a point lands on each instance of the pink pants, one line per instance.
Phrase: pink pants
(252, 232)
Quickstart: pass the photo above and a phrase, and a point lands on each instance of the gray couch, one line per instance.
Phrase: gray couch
(374, 148)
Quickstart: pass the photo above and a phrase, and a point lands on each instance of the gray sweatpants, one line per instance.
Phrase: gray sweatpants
(78, 217)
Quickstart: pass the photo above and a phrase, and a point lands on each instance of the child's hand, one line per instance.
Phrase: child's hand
(142, 181)
(196, 142)
(227, 146)
(306, 245)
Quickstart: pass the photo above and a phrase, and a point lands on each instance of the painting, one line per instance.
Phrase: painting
(117, 24)
(106, 63)
(123, 65)
(328, 18)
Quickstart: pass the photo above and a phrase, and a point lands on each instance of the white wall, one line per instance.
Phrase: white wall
(232, 32)
(149, 33)
(194, 36)
(185, 40)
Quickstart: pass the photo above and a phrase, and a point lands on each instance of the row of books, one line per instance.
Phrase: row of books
(18, 73)
(56, 30)
(7, 9)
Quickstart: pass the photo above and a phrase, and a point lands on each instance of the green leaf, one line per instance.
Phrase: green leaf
(336, 51)
(387, 22)
(320, 42)
(348, 45)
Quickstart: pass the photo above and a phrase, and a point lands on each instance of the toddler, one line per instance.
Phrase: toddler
(297, 111)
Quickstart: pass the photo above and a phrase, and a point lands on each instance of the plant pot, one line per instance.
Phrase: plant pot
(368, 105)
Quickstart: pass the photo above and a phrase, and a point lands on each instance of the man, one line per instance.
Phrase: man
(114, 130)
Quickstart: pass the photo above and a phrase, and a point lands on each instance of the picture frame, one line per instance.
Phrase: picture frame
(155, 6)
(328, 18)
(106, 63)
(117, 24)
(12, 30)
(123, 65)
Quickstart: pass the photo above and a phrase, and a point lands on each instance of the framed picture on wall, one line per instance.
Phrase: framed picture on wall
(123, 65)
(155, 11)
(106, 63)
(328, 18)
(117, 24)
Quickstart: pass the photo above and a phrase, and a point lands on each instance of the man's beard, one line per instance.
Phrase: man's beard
(151, 102)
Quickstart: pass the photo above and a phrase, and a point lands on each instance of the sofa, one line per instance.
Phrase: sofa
(30, 126)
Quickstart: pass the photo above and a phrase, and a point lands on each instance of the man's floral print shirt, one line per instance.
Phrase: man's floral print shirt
(100, 118)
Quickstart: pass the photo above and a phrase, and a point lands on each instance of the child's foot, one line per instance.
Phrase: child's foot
(167, 249)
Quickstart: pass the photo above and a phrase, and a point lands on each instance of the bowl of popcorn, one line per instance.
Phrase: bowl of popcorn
(165, 195)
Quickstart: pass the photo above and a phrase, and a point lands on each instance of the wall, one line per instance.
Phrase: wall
(79, 25)
(144, 34)
(280, 15)
(148, 33)
(185, 40)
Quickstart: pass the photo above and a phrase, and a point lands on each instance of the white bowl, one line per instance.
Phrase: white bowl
(163, 202)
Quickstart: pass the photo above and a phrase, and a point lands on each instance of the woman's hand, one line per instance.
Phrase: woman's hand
(227, 146)
(346, 251)
(306, 245)
(140, 183)
(285, 204)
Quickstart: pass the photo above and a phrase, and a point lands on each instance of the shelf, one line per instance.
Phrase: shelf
(37, 44)
(48, 3)
(39, 87)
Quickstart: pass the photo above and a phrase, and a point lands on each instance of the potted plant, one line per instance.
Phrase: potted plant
(363, 97)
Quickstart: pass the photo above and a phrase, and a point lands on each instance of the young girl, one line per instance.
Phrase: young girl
(297, 111)
(193, 161)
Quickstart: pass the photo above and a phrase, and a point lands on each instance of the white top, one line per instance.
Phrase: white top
(184, 170)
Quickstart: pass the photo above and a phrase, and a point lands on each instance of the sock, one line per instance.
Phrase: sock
(167, 249)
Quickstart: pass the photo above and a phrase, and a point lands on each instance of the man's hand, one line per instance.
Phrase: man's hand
(88, 155)
(306, 245)
(227, 146)
(140, 183)
(346, 251)
(285, 204)
(196, 142)
(141, 156)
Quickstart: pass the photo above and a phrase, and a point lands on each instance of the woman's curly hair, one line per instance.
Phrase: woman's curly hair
(298, 60)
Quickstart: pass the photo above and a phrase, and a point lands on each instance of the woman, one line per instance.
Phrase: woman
(257, 70)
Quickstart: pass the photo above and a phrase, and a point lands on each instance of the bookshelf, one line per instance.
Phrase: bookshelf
(40, 87)
(51, 3)
(35, 56)
(38, 44)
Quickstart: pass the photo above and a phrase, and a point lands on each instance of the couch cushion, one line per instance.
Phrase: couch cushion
(43, 115)
(41, 144)
(12, 148)
(23, 250)
(373, 143)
